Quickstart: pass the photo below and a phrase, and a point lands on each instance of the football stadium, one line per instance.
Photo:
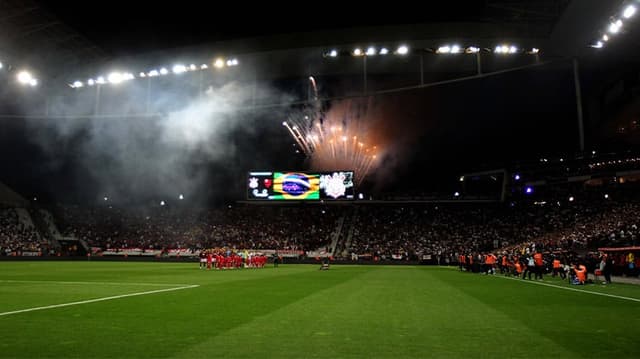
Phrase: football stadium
(443, 180)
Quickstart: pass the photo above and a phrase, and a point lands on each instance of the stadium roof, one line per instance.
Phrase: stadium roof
(33, 37)
(149, 26)
(68, 39)
(64, 35)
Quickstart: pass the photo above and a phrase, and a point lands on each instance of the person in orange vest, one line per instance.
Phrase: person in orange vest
(518, 266)
(581, 275)
(490, 263)
(504, 267)
(539, 264)
(557, 268)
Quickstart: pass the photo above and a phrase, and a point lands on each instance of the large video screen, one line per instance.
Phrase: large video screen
(300, 186)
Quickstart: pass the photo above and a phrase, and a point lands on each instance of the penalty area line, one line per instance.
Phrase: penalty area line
(571, 289)
(97, 300)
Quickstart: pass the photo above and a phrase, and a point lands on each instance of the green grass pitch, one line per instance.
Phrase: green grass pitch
(175, 310)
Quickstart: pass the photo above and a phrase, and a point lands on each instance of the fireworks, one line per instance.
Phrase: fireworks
(340, 138)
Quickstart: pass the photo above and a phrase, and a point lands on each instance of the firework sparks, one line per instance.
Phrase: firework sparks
(315, 88)
(340, 138)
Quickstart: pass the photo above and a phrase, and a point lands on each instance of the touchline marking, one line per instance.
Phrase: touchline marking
(104, 283)
(573, 289)
(97, 300)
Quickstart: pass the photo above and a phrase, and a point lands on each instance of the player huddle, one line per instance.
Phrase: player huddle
(231, 260)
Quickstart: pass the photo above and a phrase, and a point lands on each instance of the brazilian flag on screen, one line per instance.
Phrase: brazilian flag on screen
(296, 186)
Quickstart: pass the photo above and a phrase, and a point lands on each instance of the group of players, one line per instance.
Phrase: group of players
(221, 259)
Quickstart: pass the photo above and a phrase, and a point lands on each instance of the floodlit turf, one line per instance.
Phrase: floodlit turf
(297, 311)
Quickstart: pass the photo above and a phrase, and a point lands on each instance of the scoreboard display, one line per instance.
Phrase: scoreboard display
(300, 186)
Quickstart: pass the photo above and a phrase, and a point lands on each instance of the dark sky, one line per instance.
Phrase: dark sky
(125, 27)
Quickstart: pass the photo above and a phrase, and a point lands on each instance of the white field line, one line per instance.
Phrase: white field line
(572, 289)
(100, 283)
(98, 300)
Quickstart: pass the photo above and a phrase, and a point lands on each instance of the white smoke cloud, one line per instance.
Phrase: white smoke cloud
(134, 157)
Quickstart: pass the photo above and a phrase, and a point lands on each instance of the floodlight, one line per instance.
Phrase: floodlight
(629, 11)
(24, 77)
(178, 69)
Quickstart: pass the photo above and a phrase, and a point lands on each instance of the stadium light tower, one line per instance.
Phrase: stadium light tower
(615, 26)
(178, 69)
(597, 45)
(402, 50)
(115, 78)
(629, 11)
(443, 49)
(24, 77)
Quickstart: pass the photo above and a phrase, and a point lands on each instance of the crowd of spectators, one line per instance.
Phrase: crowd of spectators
(390, 231)
(444, 232)
(242, 227)
(18, 238)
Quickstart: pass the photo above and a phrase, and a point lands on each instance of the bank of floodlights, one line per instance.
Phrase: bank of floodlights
(445, 49)
(614, 26)
(177, 69)
(26, 78)
(372, 50)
